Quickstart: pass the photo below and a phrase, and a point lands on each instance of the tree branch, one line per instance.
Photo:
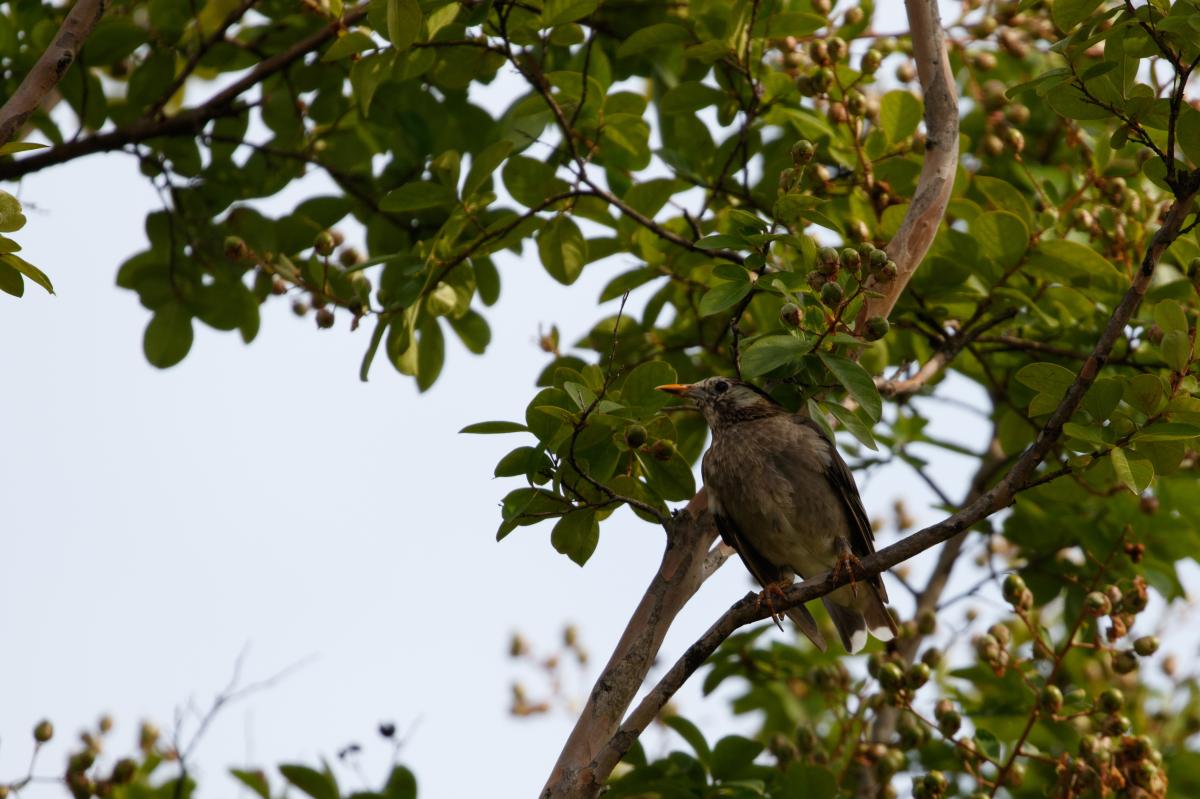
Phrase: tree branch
(223, 103)
(908, 247)
(50, 67)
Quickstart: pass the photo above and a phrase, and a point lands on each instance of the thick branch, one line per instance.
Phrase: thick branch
(223, 103)
(685, 565)
(908, 247)
(50, 68)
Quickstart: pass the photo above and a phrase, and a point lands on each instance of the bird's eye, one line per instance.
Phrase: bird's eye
(721, 387)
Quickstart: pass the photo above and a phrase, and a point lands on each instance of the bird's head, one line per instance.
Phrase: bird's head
(725, 400)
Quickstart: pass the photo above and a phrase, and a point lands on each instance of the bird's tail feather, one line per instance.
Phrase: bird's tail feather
(879, 620)
(807, 625)
(850, 624)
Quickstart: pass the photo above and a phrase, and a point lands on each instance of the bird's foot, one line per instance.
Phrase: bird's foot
(848, 567)
(774, 589)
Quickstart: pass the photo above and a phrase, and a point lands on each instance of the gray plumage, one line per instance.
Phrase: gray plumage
(785, 500)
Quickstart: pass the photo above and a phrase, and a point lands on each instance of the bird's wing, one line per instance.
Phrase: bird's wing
(765, 573)
(862, 539)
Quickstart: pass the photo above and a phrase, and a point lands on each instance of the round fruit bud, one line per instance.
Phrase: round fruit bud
(949, 723)
(926, 619)
(851, 259)
(1013, 588)
(147, 735)
(123, 771)
(325, 318)
(1051, 699)
(828, 260)
(1017, 140)
(1001, 633)
(818, 51)
(832, 294)
(878, 259)
(1016, 775)
(662, 450)
(806, 738)
(791, 315)
(235, 248)
(804, 85)
(889, 270)
(803, 152)
(985, 61)
(870, 61)
(891, 677)
(837, 48)
(1124, 661)
(43, 732)
(821, 79)
(635, 436)
(81, 761)
(918, 675)
(1096, 604)
(324, 243)
(932, 657)
(299, 307)
(3, 792)
(877, 327)
(875, 664)
(856, 103)
(1115, 725)
(1135, 600)
(349, 257)
(905, 73)
(1017, 113)
(854, 15)
(822, 6)
(1146, 645)
(993, 145)
(936, 782)
(278, 286)
(816, 280)
(787, 179)
(857, 230)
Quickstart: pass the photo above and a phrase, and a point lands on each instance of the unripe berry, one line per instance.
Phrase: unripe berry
(828, 261)
(1115, 725)
(43, 732)
(854, 15)
(235, 248)
(856, 103)
(818, 51)
(635, 436)
(325, 318)
(123, 771)
(878, 259)
(870, 61)
(791, 315)
(147, 735)
(349, 257)
(932, 657)
(1013, 587)
(324, 243)
(1124, 662)
(1096, 604)
(662, 450)
(1051, 699)
(803, 152)
(299, 307)
(918, 675)
(837, 48)
(1146, 645)
(851, 259)
(832, 294)
(1110, 700)
(891, 677)
(877, 327)
(905, 73)
(821, 80)
(985, 61)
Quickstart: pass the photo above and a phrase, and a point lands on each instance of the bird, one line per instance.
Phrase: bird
(785, 500)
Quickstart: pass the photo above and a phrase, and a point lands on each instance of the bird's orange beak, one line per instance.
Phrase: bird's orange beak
(678, 389)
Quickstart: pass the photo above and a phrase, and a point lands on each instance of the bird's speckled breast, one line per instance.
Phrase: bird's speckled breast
(769, 476)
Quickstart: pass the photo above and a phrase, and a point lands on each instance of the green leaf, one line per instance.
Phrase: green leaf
(723, 295)
(647, 38)
(11, 281)
(347, 45)
(1177, 350)
(639, 388)
(1084, 432)
(1169, 316)
(1046, 378)
(491, 428)
(689, 97)
(401, 784)
(418, 196)
(254, 780)
(854, 425)
(404, 19)
(372, 347)
(1073, 264)
(168, 336)
(857, 382)
(733, 755)
(484, 164)
(473, 330)
(690, 733)
(1069, 13)
(1001, 236)
(1134, 475)
(310, 781)
(1005, 197)
(1103, 397)
(562, 248)
(768, 353)
(794, 23)
(1145, 393)
(1168, 431)
(899, 114)
(556, 12)
(1187, 132)
(12, 217)
(809, 782)
(20, 147)
(672, 479)
(431, 354)
(576, 535)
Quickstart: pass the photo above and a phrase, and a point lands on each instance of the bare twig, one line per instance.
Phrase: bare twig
(50, 67)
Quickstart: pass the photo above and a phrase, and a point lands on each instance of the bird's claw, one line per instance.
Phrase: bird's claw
(764, 598)
(848, 567)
